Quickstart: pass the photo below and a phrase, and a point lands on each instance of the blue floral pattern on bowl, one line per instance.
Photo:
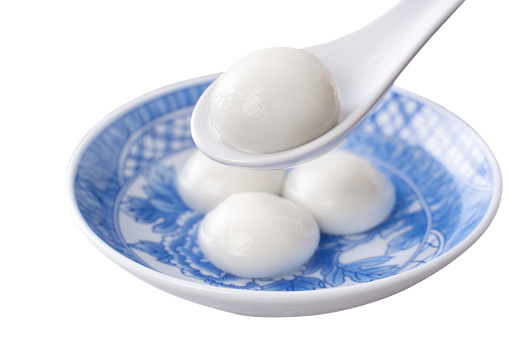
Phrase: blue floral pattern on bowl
(125, 190)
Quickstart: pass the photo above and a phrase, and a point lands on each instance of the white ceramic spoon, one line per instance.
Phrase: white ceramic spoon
(365, 63)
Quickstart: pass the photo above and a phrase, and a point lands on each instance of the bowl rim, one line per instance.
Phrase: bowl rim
(406, 279)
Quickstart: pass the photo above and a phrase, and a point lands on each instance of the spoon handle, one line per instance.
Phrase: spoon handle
(380, 51)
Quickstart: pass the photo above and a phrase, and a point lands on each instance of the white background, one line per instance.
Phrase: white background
(64, 65)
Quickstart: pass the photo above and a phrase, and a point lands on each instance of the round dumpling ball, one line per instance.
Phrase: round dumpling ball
(273, 100)
(258, 235)
(203, 183)
(345, 193)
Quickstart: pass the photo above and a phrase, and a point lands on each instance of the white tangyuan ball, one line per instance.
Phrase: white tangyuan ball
(345, 193)
(273, 100)
(203, 183)
(258, 235)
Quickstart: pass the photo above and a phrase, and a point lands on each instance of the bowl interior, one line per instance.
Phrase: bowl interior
(124, 188)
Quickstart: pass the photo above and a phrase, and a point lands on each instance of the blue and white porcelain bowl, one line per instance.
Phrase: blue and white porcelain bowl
(121, 183)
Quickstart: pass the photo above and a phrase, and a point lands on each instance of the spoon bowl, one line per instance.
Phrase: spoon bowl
(365, 64)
